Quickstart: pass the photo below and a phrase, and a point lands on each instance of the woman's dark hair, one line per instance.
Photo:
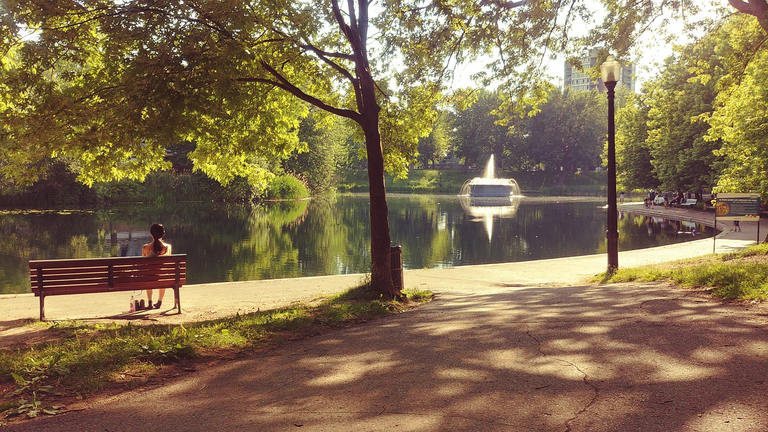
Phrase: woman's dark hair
(157, 232)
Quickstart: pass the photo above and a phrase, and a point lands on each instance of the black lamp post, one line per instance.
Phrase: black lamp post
(609, 72)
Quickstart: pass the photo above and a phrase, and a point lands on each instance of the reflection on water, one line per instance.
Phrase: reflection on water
(326, 236)
(486, 209)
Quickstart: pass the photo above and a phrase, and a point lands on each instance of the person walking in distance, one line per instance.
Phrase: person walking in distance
(157, 248)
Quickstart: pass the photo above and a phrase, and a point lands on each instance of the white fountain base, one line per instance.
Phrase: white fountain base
(491, 190)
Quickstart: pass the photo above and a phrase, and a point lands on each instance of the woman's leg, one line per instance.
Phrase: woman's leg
(160, 296)
(149, 299)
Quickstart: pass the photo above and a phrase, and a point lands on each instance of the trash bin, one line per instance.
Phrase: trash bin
(397, 266)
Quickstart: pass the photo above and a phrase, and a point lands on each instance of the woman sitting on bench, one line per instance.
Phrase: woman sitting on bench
(157, 248)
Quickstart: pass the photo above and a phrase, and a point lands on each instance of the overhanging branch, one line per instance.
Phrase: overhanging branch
(282, 83)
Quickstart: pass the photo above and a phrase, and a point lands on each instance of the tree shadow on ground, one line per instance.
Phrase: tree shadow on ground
(614, 357)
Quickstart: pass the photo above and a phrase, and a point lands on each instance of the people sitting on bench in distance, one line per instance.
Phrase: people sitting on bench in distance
(157, 248)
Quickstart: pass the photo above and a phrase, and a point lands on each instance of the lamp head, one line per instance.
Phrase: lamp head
(610, 70)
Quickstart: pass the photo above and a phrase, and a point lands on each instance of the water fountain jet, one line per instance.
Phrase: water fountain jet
(490, 186)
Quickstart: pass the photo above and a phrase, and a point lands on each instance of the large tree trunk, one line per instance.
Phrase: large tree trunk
(381, 242)
(381, 265)
(356, 32)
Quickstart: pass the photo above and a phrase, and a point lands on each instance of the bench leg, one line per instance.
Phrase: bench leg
(42, 306)
(177, 301)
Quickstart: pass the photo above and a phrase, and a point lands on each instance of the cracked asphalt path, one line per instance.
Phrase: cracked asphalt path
(625, 357)
(497, 350)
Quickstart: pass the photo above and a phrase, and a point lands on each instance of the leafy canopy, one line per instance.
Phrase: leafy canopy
(108, 84)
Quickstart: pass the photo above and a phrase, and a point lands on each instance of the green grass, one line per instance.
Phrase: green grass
(86, 358)
(740, 275)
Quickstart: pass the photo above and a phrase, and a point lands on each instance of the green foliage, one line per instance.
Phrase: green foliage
(435, 147)
(568, 132)
(742, 111)
(122, 191)
(123, 86)
(287, 187)
(166, 186)
(562, 134)
(478, 135)
(699, 123)
(57, 187)
(683, 158)
(326, 139)
(634, 163)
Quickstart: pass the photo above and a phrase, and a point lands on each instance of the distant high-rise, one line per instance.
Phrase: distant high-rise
(574, 79)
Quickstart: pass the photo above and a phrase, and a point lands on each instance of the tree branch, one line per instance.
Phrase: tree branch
(363, 21)
(505, 5)
(353, 43)
(318, 51)
(345, 28)
(282, 83)
(337, 67)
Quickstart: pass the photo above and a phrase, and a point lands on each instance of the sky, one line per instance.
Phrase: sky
(651, 52)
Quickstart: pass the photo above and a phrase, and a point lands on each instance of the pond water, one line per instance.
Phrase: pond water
(326, 236)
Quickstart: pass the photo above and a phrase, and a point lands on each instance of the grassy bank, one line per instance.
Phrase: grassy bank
(87, 358)
(586, 183)
(741, 275)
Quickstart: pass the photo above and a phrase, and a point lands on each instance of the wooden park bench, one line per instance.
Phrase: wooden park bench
(97, 275)
(690, 202)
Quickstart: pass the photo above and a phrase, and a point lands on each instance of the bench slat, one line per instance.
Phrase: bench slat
(70, 273)
(104, 268)
(52, 287)
(95, 262)
(73, 279)
(49, 284)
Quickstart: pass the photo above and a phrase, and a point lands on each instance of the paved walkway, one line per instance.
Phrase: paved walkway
(506, 347)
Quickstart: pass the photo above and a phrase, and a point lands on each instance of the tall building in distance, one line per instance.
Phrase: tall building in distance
(576, 80)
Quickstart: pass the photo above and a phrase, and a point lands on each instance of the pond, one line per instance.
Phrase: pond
(326, 236)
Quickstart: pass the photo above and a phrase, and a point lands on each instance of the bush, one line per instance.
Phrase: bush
(120, 191)
(58, 188)
(287, 187)
(167, 186)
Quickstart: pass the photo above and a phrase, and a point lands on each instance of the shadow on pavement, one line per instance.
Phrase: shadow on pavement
(603, 358)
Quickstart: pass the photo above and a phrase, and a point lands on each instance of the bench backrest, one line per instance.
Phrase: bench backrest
(92, 275)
